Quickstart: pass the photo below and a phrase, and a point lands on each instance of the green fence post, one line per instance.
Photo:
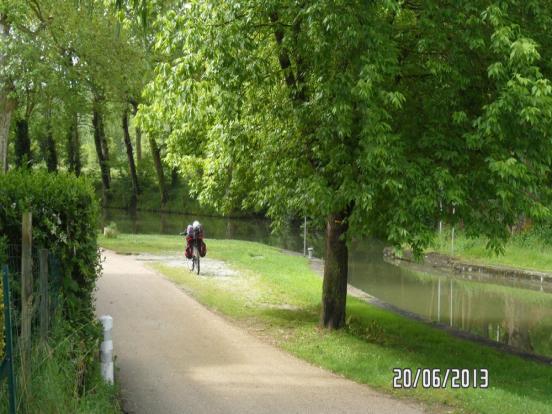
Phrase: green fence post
(26, 297)
(44, 306)
(9, 344)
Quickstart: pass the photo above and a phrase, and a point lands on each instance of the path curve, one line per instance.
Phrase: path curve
(175, 356)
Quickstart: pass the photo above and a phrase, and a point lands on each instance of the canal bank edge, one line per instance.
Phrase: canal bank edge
(452, 264)
(318, 266)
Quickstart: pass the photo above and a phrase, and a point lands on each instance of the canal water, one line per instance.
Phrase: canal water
(512, 312)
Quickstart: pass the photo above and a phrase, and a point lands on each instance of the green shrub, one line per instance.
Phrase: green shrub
(540, 234)
(111, 231)
(65, 217)
(2, 261)
(59, 382)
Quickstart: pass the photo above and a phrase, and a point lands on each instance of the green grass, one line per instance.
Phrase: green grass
(59, 382)
(519, 252)
(139, 243)
(279, 295)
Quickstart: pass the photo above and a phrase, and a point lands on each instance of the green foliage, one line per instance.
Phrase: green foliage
(64, 216)
(528, 250)
(385, 111)
(539, 235)
(3, 249)
(3, 258)
(60, 383)
(111, 231)
(57, 56)
(180, 200)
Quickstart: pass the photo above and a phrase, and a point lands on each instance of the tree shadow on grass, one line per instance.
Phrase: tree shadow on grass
(292, 315)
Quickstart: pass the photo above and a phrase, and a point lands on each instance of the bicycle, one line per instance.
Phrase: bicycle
(193, 262)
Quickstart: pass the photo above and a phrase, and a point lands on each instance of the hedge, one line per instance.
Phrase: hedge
(65, 216)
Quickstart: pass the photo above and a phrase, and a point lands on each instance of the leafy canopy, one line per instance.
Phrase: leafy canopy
(393, 114)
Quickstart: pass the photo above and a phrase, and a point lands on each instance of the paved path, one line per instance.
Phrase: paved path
(176, 356)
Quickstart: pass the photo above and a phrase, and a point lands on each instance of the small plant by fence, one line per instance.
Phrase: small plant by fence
(6, 363)
(31, 296)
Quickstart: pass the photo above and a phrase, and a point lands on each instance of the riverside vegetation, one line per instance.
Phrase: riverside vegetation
(531, 250)
(278, 296)
(63, 379)
(377, 118)
(369, 117)
(64, 370)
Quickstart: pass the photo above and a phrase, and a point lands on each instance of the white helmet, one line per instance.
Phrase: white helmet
(196, 224)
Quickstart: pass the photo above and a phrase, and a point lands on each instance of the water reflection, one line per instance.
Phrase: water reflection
(508, 311)
(518, 317)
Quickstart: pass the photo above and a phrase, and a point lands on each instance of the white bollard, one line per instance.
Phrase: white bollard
(310, 250)
(106, 349)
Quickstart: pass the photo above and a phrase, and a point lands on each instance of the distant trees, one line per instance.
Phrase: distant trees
(366, 115)
(65, 65)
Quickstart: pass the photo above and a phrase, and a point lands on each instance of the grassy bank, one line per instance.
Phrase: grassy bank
(527, 251)
(279, 295)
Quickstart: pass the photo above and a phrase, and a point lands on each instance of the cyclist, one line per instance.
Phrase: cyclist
(194, 231)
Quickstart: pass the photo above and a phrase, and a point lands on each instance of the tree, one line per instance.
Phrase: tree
(130, 157)
(23, 155)
(139, 17)
(38, 73)
(138, 133)
(74, 163)
(156, 155)
(49, 150)
(7, 101)
(365, 114)
(102, 148)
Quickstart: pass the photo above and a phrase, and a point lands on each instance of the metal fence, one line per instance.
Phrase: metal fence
(6, 364)
(46, 287)
(28, 324)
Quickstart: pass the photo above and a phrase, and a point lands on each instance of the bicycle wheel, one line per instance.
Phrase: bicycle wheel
(198, 264)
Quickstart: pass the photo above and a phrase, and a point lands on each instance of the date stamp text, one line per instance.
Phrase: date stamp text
(440, 378)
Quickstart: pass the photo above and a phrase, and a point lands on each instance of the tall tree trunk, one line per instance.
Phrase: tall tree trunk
(174, 177)
(138, 146)
(334, 287)
(48, 147)
(7, 104)
(100, 142)
(138, 131)
(23, 156)
(74, 162)
(76, 139)
(130, 157)
(156, 154)
(50, 152)
(105, 148)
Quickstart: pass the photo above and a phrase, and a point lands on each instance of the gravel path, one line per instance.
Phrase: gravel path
(176, 356)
